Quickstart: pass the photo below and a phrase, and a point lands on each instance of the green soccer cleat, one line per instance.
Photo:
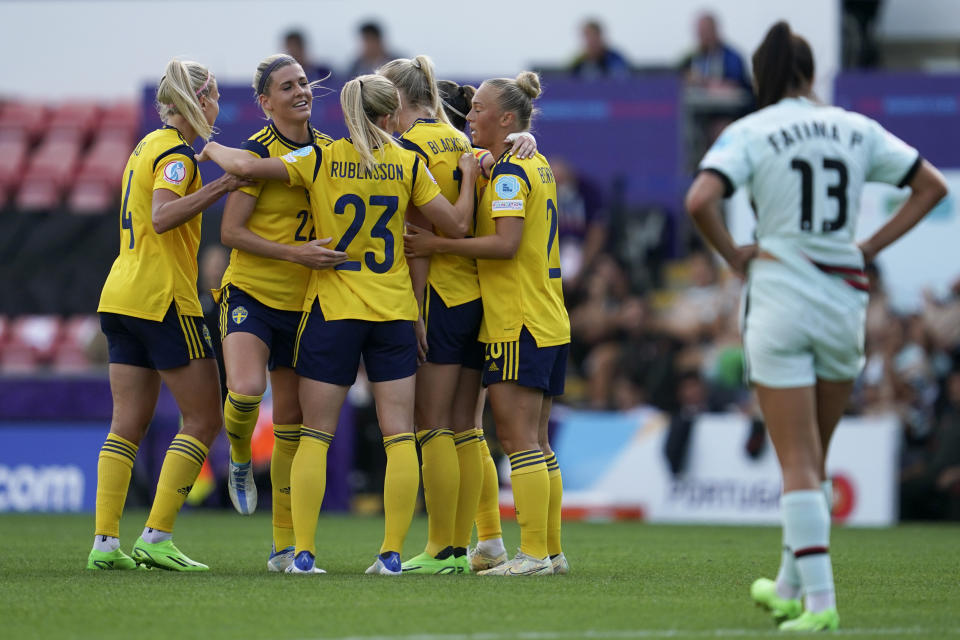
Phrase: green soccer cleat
(425, 564)
(764, 594)
(110, 560)
(164, 555)
(463, 564)
(826, 620)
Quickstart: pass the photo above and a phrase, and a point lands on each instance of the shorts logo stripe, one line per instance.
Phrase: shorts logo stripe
(192, 324)
(296, 345)
(186, 337)
(516, 360)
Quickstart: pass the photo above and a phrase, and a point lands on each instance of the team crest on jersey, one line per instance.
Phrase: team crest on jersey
(302, 152)
(506, 187)
(206, 336)
(239, 314)
(174, 172)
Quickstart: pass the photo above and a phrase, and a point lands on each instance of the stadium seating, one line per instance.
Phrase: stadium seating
(73, 153)
(30, 343)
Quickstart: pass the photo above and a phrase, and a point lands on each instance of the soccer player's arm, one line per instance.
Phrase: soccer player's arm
(895, 162)
(246, 165)
(173, 174)
(454, 220)
(508, 209)
(725, 167)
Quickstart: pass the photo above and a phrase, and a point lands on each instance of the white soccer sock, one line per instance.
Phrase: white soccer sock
(153, 536)
(106, 543)
(806, 525)
(492, 547)
(788, 580)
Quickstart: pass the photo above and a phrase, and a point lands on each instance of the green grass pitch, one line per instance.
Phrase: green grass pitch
(628, 580)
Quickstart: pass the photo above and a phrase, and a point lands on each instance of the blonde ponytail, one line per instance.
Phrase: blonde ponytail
(179, 92)
(417, 81)
(364, 100)
(517, 96)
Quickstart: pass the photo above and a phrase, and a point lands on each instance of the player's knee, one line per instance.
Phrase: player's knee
(247, 386)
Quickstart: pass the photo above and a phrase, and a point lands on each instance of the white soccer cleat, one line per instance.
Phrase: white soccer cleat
(560, 565)
(303, 563)
(280, 560)
(242, 488)
(480, 560)
(521, 565)
(386, 564)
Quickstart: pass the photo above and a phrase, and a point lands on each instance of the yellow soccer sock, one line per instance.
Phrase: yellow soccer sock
(531, 497)
(113, 480)
(488, 510)
(441, 482)
(471, 480)
(556, 500)
(308, 482)
(286, 437)
(240, 414)
(180, 469)
(400, 485)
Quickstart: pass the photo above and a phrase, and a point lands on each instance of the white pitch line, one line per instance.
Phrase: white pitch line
(628, 634)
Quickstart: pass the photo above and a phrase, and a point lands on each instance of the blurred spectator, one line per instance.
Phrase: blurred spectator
(930, 487)
(859, 41)
(295, 44)
(373, 50)
(582, 227)
(691, 402)
(714, 63)
(598, 59)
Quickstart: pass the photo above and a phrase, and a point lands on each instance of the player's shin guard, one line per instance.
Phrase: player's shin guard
(180, 469)
(556, 502)
(308, 482)
(113, 479)
(531, 497)
(488, 510)
(400, 485)
(807, 530)
(471, 481)
(441, 482)
(286, 437)
(240, 414)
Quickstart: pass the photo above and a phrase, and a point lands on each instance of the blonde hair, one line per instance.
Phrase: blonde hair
(517, 95)
(417, 82)
(365, 99)
(179, 92)
(263, 77)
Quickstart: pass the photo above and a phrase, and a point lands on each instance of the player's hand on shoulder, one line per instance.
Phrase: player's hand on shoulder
(205, 153)
(524, 144)
(418, 242)
(316, 255)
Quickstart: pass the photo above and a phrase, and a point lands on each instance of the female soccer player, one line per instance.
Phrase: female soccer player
(803, 327)
(270, 229)
(525, 326)
(151, 316)
(467, 413)
(359, 188)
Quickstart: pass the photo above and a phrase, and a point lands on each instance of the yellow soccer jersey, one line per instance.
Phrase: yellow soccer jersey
(440, 146)
(154, 269)
(282, 214)
(363, 212)
(524, 291)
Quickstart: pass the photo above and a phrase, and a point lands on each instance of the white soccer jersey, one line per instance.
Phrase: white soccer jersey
(805, 165)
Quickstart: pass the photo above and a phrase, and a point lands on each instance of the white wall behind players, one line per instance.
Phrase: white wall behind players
(50, 50)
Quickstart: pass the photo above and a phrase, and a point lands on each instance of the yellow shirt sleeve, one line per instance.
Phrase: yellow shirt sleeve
(259, 151)
(510, 187)
(425, 186)
(174, 172)
(302, 166)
